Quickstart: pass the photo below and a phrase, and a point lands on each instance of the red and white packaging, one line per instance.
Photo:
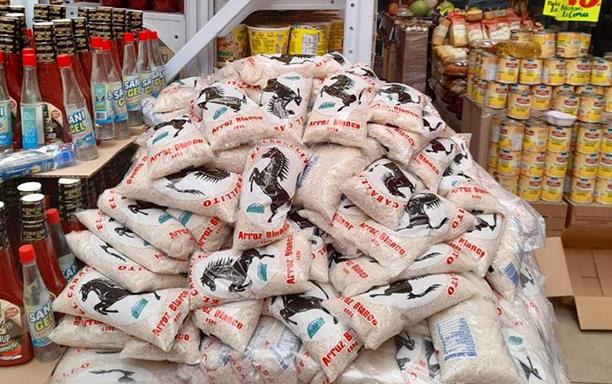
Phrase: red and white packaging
(318, 248)
(417, 358)
(257, 70)
(329, 64)
(401, 145)
(232, 160)
(209, 232)
(429, 164)
(77, 331)
(174, 96)
(400, 105)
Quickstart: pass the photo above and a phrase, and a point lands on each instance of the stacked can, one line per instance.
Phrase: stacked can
(134, 21)
(510, 143)
(584, 162)
(81, 36)
(69, 198)
(119, 17)
(64, 38)
(556, 162)
(41, 12)
(603, 184)
(533, 156)
(11, 39)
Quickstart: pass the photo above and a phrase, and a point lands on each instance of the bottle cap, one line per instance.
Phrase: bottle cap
(52, 216)
(153, 35)
(143, 35)
(27, 254)
(64, 61)
(106, 45)
(128, 37)
(96, 42)
(28, 60)
(29, 187)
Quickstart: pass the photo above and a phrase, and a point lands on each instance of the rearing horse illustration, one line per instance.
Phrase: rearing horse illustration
(108, 293)
(270, 177)
(215, 95)
(339, 90)
(234, 270)
(403, 97)
(282, 95)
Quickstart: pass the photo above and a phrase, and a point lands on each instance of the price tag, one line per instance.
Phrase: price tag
(573, 10)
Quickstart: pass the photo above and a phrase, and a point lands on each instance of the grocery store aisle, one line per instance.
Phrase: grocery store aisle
(587, 353)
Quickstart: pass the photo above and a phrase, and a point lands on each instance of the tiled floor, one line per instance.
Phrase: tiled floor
(588, 354)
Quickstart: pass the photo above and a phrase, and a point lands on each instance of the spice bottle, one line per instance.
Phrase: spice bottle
(103, 107)
(6, 127)
(34, 231)
(115, 93)
(144, 65)
(79, 120)
(69, 201)
(65, 257)
(32, 126)
(15, 346)
(37, 306)
(131, 82)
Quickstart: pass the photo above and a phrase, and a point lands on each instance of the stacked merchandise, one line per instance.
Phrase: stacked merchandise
(355, 243)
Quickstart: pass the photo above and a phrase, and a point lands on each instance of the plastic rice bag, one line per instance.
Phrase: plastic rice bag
(352, 276)
(175, 145)
(221, 364)
(329, 64)
(185, 350)
(229, 275)
(259, 69)
(399, 105)
(150, 222)
(284, 101)
(462, 169)
(232, 160)
(382, 191)
(439, 258)
(231, 118)
(382, 312)
(332, 345)
(252, 91)
(130, 244)
(420, 328)
(232, 323)
(416, 357)
(209, 232)
(503, 274)
(318, 248)
(340, 111)
(434, 158)
(174, 96)
(155, 317)
(318, 188)
(374, 367)
(306, 367)
(400, 145)
(433, 124)
(271, 173)
(93, 251)
(77, 331)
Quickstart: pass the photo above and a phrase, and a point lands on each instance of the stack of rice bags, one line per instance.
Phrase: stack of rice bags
(333, 228)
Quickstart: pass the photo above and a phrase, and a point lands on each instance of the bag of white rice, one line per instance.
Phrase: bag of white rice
(417, 358)
(503, 274)
(232, 323)
(382, 312)
(185, 350)
(306, 367)
(340, 111)
(332, 345)
(271, 173)
(209, 232)
(352, 276)
(363, 70)
(374, 367)
(93, 251)
(155, 317)
(91, 366)
(229, 275)
(150, 222)
(174, 96)
(252, 91)
(231, 118)
(175, 145)
(318, 188)
(130, 244)
(462, 169)
(430, 163)
(399, 105)
(257, 70)
(420, 328)
(284, 101)
(400, 145)
(439, 258)
(329, 64)
(77, 331)
(481, 242)
(382, 191)
(318, 248)
(221, 364)
(433, 124)
(232, 160)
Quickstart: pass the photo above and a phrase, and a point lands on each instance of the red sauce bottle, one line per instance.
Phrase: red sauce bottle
(15, 345)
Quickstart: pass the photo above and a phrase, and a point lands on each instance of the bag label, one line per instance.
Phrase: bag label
(40, 322)
(103, 107)
(32, 125)
(81, 128)
(117, 96)
(131, 87)
(6, 129)
(456, 339)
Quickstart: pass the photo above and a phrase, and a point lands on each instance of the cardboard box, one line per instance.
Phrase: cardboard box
(477, 121)
(554, 214)
(583, 274)
(33, 372)
(589, 215)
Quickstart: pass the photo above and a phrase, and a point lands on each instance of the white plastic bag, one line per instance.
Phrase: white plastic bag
(416, 357)
(401, 145)
(374, 367)
(232, 160)
(400, 105)
(259, 69)
(221, 364)
(77, 331)
(209, 232)
(174, 96)
(430, 163)
(329, 64)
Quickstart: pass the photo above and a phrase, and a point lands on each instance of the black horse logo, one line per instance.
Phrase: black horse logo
(140, 207)
(484, 225)
(427, 256)
(270, 177)
(427, 123)
(177, 124)
(339, 89)
(282, 96)
(437, 146)
(335, 257)
(416, 210)
(434, 366)
(294, 304)
(205, 174)
(404, 287)
(110, 251)
(396, 180)
(403, 97)
(291, 59)
(300, 220)
(338, 57)
(529, 370)
(126, 376)
(234, 270)
(409, 344)
(215, 95)
(124, 231)
(108, 293)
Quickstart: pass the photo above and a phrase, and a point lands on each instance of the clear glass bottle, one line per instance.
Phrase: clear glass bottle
(159, 76)
(37, 302)
(143, 65)
(6, 127)
(104, 117)
(115, 93)
(32, 109)
(65, 257)
(79, 120)
(131, 82)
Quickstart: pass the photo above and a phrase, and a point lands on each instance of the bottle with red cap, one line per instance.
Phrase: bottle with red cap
(157, 66)
(131, 82)
(6, 127)
(65, 257)
(77, 114)
(144, 65)
(32, 108)
(104, 116)
(38, 310)
(115, 93)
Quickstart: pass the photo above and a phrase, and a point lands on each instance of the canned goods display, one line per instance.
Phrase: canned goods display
(521, 35)
(555, 163)
(588, 137)
(577, 71)
(562, 88)
(511, 135)
(487, 66)
(553, 71)
(532, 163)
(606, 139)
(603, 191)
(508, 162)
(585, 165)
(590, 89)
(535, 136)
(492, 157)
(507, 70)
(530, 187)
(581, 190)
(519, 105)
(604, 169)
(481, 90)
(608, 101)
(530, 71)
(590, 108)
(568, 44)
(510, 183)
(473, 60)
(552, 188)
(585, 43)
(309, 39)
(336, 35)
(546, 40)
(601, 72)
(566, 102)
(542, 95)
(232, 47)
(496, 95)
(496, 123)
(519, 88)
(559, 139)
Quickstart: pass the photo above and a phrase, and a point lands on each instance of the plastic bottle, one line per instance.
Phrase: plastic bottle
(79, 120)
(27, 162)
(6, 127)
(104, 116)
(15, 344)
(37, 307)
(159, 73)
(131, 82)
(65, 257)
(143, 65)
(115, 93)
(32, 125)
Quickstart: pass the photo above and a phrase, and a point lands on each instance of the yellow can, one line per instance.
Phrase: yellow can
(496, 95)
(511, 135)
(552, 188)
(474, 61)
(488, 66)
(568, 44)
(521, 36)
(492, 157)
(566, 102)
(497, 121)
(555, 163)
(541, 97)
(604, 170)
(507, 70)
(530, 187)
(481, 90)
(532, 163)
(519, 105)
(510, 183)
(582, 190)
(535, 136)
(590, 108)
(585, 165)
(234, 46)
(570, 166)
(268, 39)
(518, 88)
(309, 39)
(588, 137)
(601, 72)
(585, 43)
(603, 191)
(530, 71)
(546, 40)
(608, 102)
(559, 138)
(336, 35)
(590, 89)
(508, 162)
(606, 138)
(553, 71)
(577, 71)
(562, 88)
